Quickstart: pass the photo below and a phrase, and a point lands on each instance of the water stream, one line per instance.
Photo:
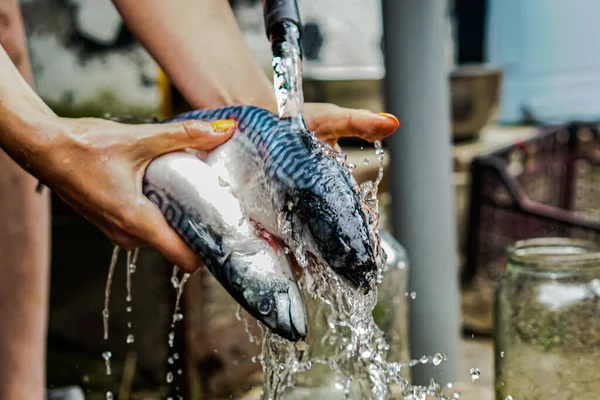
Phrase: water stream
(352, 346)
(132, 257)
(287, 77)
(178, 285)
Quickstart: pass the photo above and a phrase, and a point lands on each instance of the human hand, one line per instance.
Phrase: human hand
(331, 122)
(97, 168)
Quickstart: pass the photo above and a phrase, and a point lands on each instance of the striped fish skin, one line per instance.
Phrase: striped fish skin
(287, 183)
(205, 213)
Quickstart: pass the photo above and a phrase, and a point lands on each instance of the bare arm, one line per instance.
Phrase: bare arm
(200, 46)
(24, 242)
(70, 157)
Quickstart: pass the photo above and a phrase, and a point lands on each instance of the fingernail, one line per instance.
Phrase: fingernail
(390, 116)
(223, 125)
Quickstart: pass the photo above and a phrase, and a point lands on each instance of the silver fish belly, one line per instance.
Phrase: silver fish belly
(287, 183)
(203, 209)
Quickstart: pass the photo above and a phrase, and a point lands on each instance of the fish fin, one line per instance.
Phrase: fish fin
(229, 112)
(206, 243)
(39, 188)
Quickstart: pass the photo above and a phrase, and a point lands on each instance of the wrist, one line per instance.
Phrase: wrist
(28, 135)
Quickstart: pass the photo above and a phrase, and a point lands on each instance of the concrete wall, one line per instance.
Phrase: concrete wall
(85, 62)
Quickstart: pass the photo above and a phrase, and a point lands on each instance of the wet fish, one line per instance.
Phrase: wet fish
(250, 265)
(289, 185)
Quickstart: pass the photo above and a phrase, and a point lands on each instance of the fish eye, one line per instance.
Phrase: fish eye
(264, 306)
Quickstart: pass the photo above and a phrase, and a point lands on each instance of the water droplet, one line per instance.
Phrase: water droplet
(456, 395)
(509, 397)
(366, 354)
(179, 371)
(170, 360)
(437, 359)
(450, 385)
(85, 379)
(413, 295)
(132, 268)
(176, 356)
(129, 309)
(109, 396)
(128, 298)
(129, 324)
(178, 317)
(107, 355)
(366, 161)
(130, 338)
(502, 354)
(169, 377)
(475, 374)
(424, 359)
(105, 313)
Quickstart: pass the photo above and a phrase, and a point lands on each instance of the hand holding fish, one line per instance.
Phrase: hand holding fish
(96, 166)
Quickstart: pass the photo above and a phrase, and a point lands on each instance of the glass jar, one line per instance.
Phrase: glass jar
(547, 321)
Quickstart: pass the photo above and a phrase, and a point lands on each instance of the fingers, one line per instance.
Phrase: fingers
(158, 234)
(153, 140)
(331, 122)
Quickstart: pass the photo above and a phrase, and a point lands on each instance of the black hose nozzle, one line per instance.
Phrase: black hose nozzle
(277, 12)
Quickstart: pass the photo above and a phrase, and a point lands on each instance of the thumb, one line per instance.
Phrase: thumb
(157, 139)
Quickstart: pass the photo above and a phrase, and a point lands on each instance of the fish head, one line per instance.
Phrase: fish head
(340, 234)
(271, 295)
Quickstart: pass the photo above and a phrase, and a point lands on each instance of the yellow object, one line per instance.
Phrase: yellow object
(166, 99)
(390, 116)
(223, 124)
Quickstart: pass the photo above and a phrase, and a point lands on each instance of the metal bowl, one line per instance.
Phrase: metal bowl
(475, 91)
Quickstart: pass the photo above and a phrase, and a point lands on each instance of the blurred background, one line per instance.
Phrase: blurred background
(524, 88)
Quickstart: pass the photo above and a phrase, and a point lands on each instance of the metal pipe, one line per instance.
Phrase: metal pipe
(417, 91)
(278, 14)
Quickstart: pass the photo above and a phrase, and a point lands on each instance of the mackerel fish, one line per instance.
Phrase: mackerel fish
(289, 185)
(246, 261)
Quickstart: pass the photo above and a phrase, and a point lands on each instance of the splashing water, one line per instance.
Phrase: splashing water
(132, 257)
(178, 285)
(107, 355)
(352, 346)
(475, 374)
(105, 311)
(111, 272)
(177, 316)
(251, 337)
